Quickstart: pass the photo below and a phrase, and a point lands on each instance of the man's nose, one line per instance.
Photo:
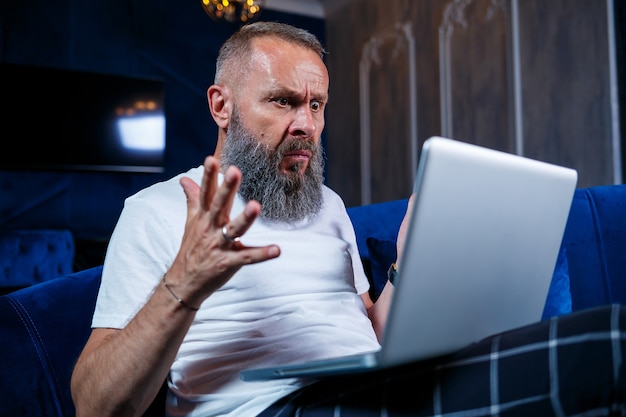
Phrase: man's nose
(304, 123)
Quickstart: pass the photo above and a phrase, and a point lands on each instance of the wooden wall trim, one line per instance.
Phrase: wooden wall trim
(400, 36)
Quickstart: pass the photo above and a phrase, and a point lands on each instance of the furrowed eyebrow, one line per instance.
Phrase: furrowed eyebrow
(290, 93)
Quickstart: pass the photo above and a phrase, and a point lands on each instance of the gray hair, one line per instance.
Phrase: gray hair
(238, 48)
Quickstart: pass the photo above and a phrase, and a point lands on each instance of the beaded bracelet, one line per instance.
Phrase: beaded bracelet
(180, 300)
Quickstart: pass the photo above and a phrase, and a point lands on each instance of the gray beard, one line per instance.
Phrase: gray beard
(283, 197)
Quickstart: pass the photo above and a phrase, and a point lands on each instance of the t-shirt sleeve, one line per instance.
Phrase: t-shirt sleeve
(141, 249)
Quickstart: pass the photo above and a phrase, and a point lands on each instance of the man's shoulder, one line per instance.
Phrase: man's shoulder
(330, 194)
(167, 189)
(332, 199)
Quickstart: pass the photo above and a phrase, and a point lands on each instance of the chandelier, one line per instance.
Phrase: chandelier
(243, 11)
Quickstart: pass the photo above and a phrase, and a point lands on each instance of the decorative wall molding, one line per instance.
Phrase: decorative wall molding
(616, 137)
(533, 77)
(401, 40)
(455, 16)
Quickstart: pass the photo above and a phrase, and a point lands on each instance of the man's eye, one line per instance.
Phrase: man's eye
(282, 101)
(316, 106)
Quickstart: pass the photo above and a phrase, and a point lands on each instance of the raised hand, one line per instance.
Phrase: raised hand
(210, 251)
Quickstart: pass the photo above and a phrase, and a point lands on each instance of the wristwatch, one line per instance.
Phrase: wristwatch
(392, 274)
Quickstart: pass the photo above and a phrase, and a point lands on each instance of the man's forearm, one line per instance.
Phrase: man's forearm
(120, 372)
(378, 311)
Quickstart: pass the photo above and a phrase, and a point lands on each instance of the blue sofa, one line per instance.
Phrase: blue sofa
(44, 327)
(28, 257)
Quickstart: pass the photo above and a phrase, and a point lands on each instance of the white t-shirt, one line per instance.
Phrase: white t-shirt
(302, 305)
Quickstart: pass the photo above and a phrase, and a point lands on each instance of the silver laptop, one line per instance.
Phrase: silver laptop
(481, 248)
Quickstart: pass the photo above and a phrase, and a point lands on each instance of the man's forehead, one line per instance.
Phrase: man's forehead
(274, 48)
(290, 67)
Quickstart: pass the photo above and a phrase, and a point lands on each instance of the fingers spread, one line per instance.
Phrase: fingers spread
(240, 225)
(209, 182)
(222, 201)
(192, 192)
(246, 255)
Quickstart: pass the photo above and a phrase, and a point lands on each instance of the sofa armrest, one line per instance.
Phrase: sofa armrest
(43, 329)
(595, 237)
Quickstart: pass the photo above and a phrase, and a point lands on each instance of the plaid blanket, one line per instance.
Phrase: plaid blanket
(571, 365)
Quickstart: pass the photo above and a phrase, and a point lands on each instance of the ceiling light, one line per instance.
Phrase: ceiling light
(233, 11)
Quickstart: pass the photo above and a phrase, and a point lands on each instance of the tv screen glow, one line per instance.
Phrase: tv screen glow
(59, 119)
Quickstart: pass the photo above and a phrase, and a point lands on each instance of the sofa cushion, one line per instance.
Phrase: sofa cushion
(33, 256)
(382, 253)
(378, 220)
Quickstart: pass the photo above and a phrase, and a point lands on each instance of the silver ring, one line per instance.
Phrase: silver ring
(228, 238)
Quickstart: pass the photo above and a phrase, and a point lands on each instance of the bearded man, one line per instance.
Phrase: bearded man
(175, 302)
(255, 263)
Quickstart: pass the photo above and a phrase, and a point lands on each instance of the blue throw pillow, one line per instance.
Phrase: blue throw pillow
(382, 255)
(559, 301)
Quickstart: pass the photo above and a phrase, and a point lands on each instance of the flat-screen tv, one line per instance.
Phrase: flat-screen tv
(60, 119)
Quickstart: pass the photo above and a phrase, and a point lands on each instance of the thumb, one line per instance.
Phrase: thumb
(192, 192)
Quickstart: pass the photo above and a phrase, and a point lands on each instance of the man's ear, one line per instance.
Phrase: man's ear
(219, 98)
